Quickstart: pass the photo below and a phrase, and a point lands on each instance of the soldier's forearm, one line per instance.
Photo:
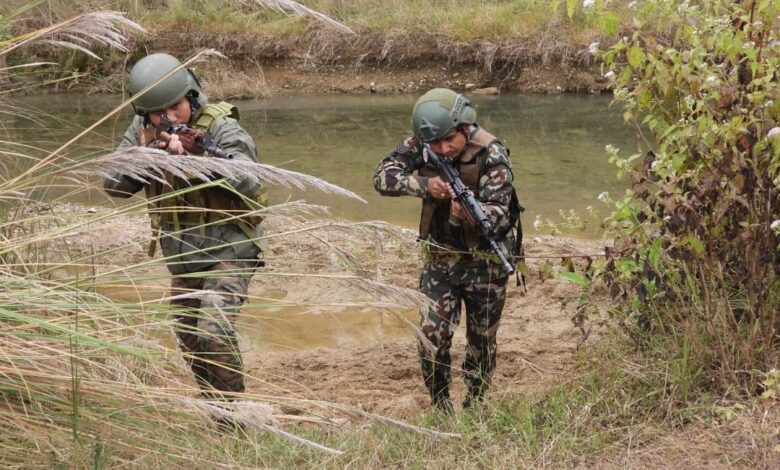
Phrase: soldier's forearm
(400, 184)
(121, 186)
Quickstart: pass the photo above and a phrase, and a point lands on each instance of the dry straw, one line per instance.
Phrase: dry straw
(79, 371)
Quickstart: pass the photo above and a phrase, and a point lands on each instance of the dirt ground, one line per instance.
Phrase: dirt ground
(537, 339)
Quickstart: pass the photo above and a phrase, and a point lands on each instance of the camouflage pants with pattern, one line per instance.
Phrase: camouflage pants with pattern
(482, 290)
(210, 301)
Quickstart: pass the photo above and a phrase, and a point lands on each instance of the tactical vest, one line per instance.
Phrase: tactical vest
(208, 206)
(434, 219)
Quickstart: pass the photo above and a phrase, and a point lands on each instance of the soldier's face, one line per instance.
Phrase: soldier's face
(179, 113)
(451, 145)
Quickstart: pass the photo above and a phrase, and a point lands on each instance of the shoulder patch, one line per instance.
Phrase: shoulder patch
(497, 154)
(406, 145)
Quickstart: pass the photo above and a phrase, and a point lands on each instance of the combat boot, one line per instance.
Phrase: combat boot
(473, 399)
(443, 404)
(440, 399)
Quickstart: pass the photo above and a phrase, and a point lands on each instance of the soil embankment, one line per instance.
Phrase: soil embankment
(324, 63)
(260, 65)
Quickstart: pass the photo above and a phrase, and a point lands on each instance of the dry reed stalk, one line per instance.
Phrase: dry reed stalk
(290, 6)
(147, 164)
(101, 28)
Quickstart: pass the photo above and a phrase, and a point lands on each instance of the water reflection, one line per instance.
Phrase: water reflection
(557, 143)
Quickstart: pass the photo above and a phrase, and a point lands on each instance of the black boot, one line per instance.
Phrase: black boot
(473, 399)
(440, 399)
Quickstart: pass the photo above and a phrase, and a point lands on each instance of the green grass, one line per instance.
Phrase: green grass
(458, 20)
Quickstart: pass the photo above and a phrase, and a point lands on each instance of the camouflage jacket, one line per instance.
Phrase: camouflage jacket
(402, 173)
(193, 248)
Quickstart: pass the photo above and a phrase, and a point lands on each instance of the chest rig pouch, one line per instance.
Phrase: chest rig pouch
(434, 219)
(208, 206)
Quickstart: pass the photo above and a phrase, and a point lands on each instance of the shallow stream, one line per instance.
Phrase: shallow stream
(557, 150)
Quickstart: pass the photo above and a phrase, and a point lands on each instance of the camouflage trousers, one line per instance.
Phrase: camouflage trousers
(209, 302)
(482, 289)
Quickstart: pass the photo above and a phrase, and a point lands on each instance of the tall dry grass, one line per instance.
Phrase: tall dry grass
(91, 380)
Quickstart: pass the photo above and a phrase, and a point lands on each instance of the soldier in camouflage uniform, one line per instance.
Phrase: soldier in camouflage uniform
(458, 266)
(211, 260)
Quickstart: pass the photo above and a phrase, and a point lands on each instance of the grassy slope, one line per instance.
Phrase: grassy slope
(527, 31)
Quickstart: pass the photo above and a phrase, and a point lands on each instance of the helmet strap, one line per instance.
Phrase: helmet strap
(192, 97)
(192, 74)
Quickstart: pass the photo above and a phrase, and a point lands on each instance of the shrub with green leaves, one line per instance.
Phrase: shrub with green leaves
(696, 248)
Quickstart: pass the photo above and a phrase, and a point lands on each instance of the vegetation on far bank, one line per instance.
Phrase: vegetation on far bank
(458, 20)
(496, 38)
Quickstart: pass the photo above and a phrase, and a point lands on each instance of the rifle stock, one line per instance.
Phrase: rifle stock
(472, 209)
(195, 141)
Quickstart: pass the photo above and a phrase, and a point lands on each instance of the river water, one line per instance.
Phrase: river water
(557, 144)
(557, 150)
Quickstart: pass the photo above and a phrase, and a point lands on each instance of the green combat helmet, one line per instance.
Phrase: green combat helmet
(165, 93)
(439, 111)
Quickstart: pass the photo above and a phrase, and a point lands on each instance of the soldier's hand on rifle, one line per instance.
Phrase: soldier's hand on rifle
(438, 188)
(173, 144)
(456, 210)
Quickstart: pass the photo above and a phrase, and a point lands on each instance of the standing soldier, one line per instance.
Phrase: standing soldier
(458, 263)
(210, 250)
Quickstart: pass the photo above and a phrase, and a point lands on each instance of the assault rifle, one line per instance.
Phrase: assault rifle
(195, 141)
(471, 208)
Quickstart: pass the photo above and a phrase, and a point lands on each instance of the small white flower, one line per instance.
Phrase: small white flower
(593, 48)
(711, 79)
(773, 132)
(609, 74)
(603, 196)
(610, 148)
(775, 225)
(537, 224)
(588, 3)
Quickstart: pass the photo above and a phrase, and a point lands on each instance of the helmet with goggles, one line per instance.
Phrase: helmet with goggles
(439, 111)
